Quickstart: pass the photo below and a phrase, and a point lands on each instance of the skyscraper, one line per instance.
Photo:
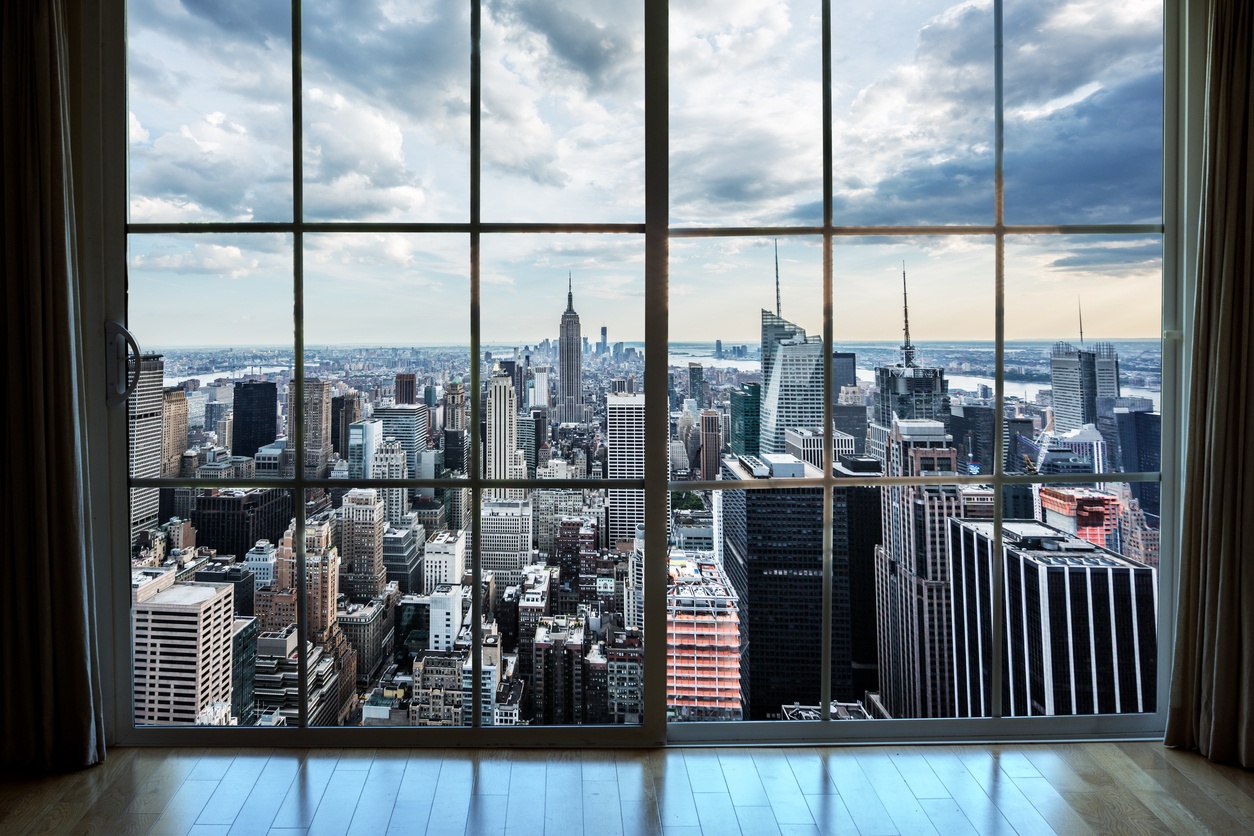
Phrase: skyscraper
(624, 440)
(912, 574)
(505, 535)
(408, 424)
(389, 463)
(502, 456)
(772, 544)
(570, 363)
(792, 381)
(256, 411)
(173, 430)
(362, 525)
(1078, 377)
(364, 438)
(406, 388)
(702, 643)
(1080, 632)
(905, 390)
(696, 384)
(317, 426)
(345, 410)
(746, 406)
(232, 521)
(711, 445)
(144, 423)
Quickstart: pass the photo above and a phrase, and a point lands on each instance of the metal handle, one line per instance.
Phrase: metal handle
(117, 338)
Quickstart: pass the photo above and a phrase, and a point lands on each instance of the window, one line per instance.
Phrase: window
(490, 339)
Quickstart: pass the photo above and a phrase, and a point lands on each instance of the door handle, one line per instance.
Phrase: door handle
(117, 339)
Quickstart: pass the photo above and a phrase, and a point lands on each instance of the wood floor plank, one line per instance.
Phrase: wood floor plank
(634, 773)
(378, 796)
(807, 767)
(80, 791)
(984, 764)
(860, 799)
(563, 801)
(903, 807)
(966, 790)
(716, 813)
(705, 773)
(234, 787)
(946, 816)
(830, 814)
(602, 808)
(916, 772)
(304, 794)
(1114, 811)
(487, 814)
(525, 808)
(453, 791)
(1180, 808)
(675, 803)
(1055, 809)
(259, 809)
(338, 803)
(760, 821)
(598, 765)
(782, 789)
(1220, 781)
(185, 807)
(146, 803)
(740, 774)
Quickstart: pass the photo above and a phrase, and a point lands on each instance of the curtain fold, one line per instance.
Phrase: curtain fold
(51, 701)
(1212, 689)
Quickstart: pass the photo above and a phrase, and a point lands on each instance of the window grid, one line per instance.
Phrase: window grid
(657, 232)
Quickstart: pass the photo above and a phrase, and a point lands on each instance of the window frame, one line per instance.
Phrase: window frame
(100, 94)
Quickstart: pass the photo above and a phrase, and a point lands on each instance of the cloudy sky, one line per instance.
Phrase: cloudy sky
(386, 138)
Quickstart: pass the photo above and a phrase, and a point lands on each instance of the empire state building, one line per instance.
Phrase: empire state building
(570, 363)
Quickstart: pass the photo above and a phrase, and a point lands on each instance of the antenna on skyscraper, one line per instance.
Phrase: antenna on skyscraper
(1080, 308)
(570, 290)
(778, 312)
(907, 349)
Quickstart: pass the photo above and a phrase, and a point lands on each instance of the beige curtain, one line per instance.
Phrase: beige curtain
(1212, 690)
(51, 705)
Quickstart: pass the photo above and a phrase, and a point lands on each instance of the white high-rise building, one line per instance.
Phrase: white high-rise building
(446, 616)
(540, 388)
(502, 429)
(409, 424)
(444, 560)
(389, 462)
(261, 561)
(792, 381)
(1078, 377)
(364, 438)
(144, 430)
(624, 440)
(182, 644)
(505, 532)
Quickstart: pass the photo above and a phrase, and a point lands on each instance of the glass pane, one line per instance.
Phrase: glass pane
(563, 111)
(209, 89)
(563, 361)
(387, 330)
(1088, 403)
(203, 592)
(746, 352)
(913, 111)
(1084, 120)
(746, 113)
(387, 111)
(1082, 600)
(917, 316)
(212, 314)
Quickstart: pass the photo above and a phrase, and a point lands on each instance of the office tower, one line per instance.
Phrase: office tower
(570, 364)
(182, 647)
(746, 407)
(232, 521)
(550, 505)
(604, 345)
(702, 643)
(1080, 628)
(388, 462)
(1079, 377)
(806, 443)
(244, 635)
(1140, 451)
(792, 381)
(857, 530)
(345, 410)
(256, 415)
(262, 561)
(446, 615)
(173, 430)
(696, 384)
(906, 391)
(455, 405)
(144, 424)
(624, 657)
(361, 544)
(241, 579)
(438, 699)
(912, 574)
(368, 627)
(278, 679)
(444, 561)
(974, 428)
(772, 544)
(844, 371)
(402, 554)
(851, 419)
(364, 438)
(502, 458)
(624, 440)
(408, 424)
(711, 445)
(505, 532)
(317, 424)
(540, 388)
(406, 389)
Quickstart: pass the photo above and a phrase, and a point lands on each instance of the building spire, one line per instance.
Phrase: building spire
(1080, 309)
(907, 349)
(778, 311)
(570, 292)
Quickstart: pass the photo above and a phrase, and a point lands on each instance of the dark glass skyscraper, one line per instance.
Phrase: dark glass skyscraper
(256, 408)
(570, 364)
(746, 411)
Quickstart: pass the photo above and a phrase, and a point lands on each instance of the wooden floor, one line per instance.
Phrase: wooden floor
(1073, 788)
